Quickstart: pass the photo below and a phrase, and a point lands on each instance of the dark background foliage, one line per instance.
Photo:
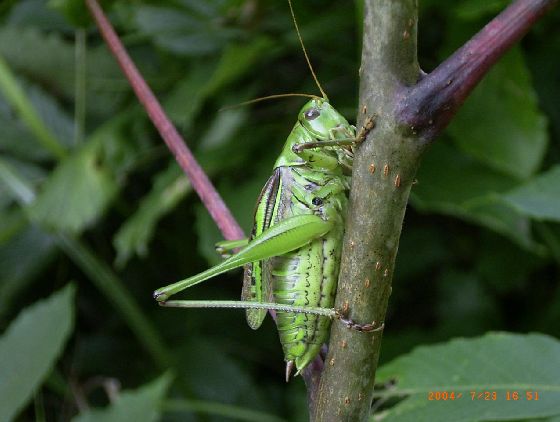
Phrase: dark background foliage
(481, 245)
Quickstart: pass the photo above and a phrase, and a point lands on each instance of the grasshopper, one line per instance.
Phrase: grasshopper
(292, 258)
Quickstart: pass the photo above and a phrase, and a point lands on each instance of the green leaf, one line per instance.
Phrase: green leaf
(116, 293)
(52, 115)
(452, 183)
(505, 268)
(120, 149)
(545, 72)
(12, 222)
(54, 66)
(21, 260)
(476, 9)
(463, 296)
(16, 184)
(16, 139)
(74, 10)
(30, 347)
(52, 63)
(21, 103)
(35, 13)
(182, 31)
(500, 123)
(76, 194)
(222, 129)
(411, 260)
(499, 362)
(236, 60)
(540, 197)
(139, 405)
(170, 186)
(189, 94)
(216, 409)
(241, 200)
(205, 361)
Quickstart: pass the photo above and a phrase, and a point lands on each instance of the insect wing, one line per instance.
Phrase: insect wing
(256, 280)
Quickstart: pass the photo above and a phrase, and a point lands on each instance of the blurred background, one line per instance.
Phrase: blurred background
(89, 194)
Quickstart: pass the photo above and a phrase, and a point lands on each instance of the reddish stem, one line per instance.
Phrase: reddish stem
(200, 182)
(428, 106)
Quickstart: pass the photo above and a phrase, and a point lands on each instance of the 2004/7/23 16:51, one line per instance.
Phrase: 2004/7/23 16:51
(484, 395)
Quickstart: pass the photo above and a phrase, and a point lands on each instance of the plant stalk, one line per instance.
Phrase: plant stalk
(383, 173)
(411, 109)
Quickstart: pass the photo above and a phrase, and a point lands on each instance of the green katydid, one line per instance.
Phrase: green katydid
(292, 259)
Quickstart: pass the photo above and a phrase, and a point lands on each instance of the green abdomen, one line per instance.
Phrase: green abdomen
(307, 276)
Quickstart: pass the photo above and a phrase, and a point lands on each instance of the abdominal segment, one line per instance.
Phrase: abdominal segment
(306, 277)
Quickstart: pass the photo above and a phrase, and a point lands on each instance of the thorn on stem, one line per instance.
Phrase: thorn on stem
(366, 128)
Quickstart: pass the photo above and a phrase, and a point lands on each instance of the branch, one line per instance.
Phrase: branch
(200, 182)
(383, 171)
(429, 106)
(410, 110)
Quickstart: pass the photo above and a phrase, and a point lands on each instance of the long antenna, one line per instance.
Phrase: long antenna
(268, 97)
(305, 52)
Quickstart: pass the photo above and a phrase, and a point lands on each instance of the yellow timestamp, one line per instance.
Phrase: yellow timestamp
(520, 395)
(485, 395)
(513, 395)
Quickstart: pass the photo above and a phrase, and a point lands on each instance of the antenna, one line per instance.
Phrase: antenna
(269, 97)
(305, 52)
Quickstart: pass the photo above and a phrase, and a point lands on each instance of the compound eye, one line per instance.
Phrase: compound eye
(317, 201)
(312, 114)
